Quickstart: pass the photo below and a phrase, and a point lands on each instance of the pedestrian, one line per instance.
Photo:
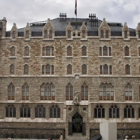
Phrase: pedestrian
(61, 136)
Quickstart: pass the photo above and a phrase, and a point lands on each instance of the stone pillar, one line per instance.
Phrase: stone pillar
(108, 131)
(136, 107)
(17, 112)
(121, 112)
(106, 112)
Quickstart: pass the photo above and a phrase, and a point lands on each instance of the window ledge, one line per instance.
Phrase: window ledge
(69, 39)
(27, 39)
(12, 57)
(126, 39)
(13, 39)
(48, 56)
(105, 38)
(48, 39)
(105, 56)
(84, 56)
(84, 39)
(26, 57)
(127, 56)
(69, 56)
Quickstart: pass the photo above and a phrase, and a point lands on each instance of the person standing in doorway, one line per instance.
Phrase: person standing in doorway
(61, 136)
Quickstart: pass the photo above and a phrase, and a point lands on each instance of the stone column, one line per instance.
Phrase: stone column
(122, 112)
(32, 112)
(136, 110)
(106, 111)
(17, 111)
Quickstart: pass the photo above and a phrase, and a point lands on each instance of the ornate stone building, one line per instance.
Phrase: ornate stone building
(67, 76)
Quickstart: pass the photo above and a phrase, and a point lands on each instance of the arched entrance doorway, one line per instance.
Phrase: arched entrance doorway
(77, 123)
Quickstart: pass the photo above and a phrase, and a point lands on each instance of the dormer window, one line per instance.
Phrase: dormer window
(13, 34)
(50, 34)
(107, 34)
(27, 34)
(102, 34)
(83, 34)
(45, 34)
(69, 34)
(125, 34)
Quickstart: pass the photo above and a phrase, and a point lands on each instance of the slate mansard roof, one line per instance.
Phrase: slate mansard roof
(60, 26)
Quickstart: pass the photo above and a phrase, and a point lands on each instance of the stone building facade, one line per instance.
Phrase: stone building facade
(67, 76)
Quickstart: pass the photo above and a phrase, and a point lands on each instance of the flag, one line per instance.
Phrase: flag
(76, 7)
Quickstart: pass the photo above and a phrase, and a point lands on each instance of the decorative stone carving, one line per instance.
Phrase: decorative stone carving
(76, 98)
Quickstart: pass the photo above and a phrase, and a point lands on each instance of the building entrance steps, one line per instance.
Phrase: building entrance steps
(77, 136)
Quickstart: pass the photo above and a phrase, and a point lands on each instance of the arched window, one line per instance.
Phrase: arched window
(25, 111)
(129, 112)
(83, 34)
(26, 69)
(69, 69)
(69, 33)
(12, 69)
(127, 69)
(84, 69)
(11, 92)
(10, 111)
(114, 112)
(84, 51)
(69, 92)
(47, 92)
(126, 51)
(27, 34)
(105, 53)
(25, 92)
(69, 51)
(45, 34)
(54, 112)
(12, 51)
(99, 112)
(105, 69)
(107, 34)
(50, 34)
(40, 112)
(13, 35)
(84, 92)
(47, 51)
(106, 92)
(26, 51)
(128, 92)
(47, 69)
(102, 34)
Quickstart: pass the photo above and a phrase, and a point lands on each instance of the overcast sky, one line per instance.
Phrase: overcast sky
(23, 11)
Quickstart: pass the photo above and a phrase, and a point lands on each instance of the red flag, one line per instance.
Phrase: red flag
(76, 7)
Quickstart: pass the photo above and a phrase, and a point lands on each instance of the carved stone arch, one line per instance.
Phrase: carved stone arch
(69, 30)
(83, 30)
(103, 28)
(48, 29)
(14, 32)
(27, 31)
(125, 31)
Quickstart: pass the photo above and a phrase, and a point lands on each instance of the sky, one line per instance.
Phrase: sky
(23, 11)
